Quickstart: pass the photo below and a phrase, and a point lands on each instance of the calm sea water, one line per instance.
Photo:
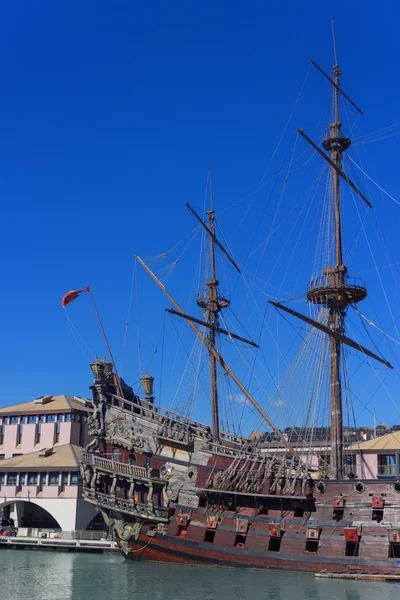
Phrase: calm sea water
(33, 575)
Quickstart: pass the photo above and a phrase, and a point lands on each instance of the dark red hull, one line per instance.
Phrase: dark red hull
(168, 550)
(374, 553)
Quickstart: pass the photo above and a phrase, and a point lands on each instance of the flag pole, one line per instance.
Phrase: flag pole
(106, 341)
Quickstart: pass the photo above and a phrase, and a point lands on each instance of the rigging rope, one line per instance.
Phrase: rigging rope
(127, 319)
(277, 146)
(76, 335)
(372, 181)
(374, 325)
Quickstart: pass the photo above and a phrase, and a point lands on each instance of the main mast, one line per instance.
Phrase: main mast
(334, 292)
(212, 303)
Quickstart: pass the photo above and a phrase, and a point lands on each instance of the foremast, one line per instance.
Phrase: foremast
(212, 303)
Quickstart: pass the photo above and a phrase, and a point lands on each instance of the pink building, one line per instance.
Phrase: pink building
(40, 444)
(379, 457)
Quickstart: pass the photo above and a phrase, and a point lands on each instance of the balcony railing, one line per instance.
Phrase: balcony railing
(387, 470)
(113, 466)
(324, 281)
(130, 506)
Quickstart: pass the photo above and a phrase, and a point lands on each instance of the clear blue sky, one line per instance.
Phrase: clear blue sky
(111, 113)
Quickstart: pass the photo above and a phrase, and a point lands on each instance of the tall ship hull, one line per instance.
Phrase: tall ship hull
(174, 489)
(169, 506)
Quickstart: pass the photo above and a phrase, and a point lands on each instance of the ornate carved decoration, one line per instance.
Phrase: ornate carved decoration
(166, 471)
(126, 532)
(125, 547)
(162, 528)
(121, 428)
(86, 474)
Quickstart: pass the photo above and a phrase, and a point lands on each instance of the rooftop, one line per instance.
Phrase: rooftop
(59, 457)
(389, 441)
(48, 405)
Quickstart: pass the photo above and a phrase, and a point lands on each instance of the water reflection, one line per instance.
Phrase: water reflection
(34, 575)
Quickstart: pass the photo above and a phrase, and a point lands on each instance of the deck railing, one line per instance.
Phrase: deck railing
(162, 416)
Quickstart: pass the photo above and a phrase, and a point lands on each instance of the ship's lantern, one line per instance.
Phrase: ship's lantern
(338, 502)
(212, 522)
(352, 534)
(147, 383)
(313, 533)
(274, 530)
(182, 521)
(394, 536)
(107, 366)
(241, 525)
(97, 367)
(377, 502)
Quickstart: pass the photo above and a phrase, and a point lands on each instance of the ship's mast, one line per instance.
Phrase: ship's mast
(333, 290)
(336, 322)
(212, 303)
(335, 293)
(213, 309)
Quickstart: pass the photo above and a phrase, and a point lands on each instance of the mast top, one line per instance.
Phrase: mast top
(334, 41)
(211, 192)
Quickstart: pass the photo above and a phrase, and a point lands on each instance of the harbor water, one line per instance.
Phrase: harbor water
(50, 575)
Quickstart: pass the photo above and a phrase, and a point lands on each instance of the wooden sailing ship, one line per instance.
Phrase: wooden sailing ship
(176, 490)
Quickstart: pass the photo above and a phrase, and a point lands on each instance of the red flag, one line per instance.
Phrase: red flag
(72, 295)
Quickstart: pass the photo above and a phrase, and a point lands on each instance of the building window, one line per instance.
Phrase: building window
(386, 464)
(38, 432)
(54, 478)
(5, 420)
(19, 433)
(324, 465)
(51, 418)
(1, 480)
(64, 480)
(42, 418)
(58, 428)
(60, 418)
(2, 456)
(32, 419)
(14, 420)
(75, 479)
(16, 454)
(350, 464)
(42, 480)
(11, 478)
(115, 455)
(23, 420)
(68, 418)
(1, 434)
(32, 478)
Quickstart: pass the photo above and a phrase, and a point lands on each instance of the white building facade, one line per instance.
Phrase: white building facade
(40, 445)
